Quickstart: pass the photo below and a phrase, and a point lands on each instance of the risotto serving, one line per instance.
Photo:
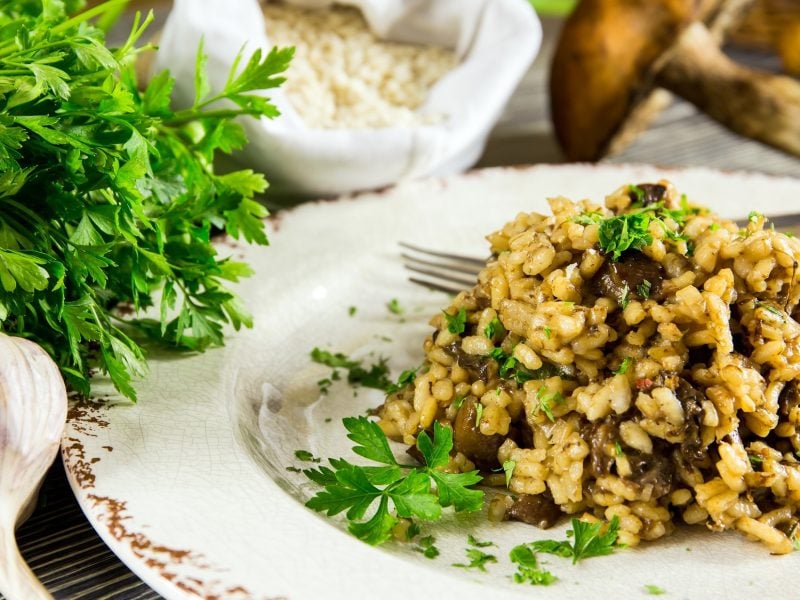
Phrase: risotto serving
(638, 361)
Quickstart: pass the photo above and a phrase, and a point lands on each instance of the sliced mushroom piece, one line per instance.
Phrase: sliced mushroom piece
(625, 279)
(539, 510)
(468, 439)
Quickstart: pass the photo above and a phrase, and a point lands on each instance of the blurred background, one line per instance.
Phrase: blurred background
(765, 36)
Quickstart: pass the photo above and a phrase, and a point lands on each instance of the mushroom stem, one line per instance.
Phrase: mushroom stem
(752, 103)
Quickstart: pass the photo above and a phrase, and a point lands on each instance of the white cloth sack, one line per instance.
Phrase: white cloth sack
(494, 40)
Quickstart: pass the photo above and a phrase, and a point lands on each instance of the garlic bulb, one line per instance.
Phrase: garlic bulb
(33, 411)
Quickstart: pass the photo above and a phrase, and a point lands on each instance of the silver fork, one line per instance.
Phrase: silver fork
(451, 273)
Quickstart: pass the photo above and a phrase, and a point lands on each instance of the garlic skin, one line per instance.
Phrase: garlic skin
(33, 412)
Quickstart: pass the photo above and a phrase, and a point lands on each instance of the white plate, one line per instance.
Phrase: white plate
(189, 487)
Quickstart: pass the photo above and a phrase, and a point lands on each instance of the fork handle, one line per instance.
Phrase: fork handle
(17, 581)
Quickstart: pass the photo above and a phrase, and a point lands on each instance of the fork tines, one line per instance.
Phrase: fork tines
(441, 271)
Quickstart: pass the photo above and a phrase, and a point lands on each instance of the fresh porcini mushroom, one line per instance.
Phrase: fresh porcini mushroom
(613, 53)
(33, 410)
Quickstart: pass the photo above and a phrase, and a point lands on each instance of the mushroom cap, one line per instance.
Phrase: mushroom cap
(604, 64)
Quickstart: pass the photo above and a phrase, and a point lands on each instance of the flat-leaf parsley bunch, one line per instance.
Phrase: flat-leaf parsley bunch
(108, 195)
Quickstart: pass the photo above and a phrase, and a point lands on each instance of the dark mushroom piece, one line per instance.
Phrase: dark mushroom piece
(625, 279)
(539, 510)
(468, 439)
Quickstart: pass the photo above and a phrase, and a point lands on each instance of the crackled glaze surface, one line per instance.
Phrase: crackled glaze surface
(190, 487)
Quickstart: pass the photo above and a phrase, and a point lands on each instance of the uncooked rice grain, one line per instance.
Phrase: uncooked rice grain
(344, 76)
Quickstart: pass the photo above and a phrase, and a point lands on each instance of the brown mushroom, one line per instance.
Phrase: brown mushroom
(613, 53)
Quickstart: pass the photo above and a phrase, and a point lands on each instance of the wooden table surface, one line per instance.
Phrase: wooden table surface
(74, 563)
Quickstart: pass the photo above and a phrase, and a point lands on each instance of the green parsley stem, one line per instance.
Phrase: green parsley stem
(69, 23)
(137, 30)
(192, 114)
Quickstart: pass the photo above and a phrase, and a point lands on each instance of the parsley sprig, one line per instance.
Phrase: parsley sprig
(587, 540)
(108, 195)
(392, 490)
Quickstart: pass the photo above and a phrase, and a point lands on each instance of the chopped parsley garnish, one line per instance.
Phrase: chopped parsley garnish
(477, 559)
(459, 401)
(394, 307)
(456, 322)
(624, 366)
(713, 226)
(508, 468)
(756, 460)
(325, 384)
(306, 456)
(406, 377)
(427, 548)
(654, 590)
(478, 413)
(631, 230)
(473, 541)
(644, 289)
(548, 332)
(495, 327)
(754, 216)
(413, 531)
(546, 401)
(587, 541)
(625, 299)
(352, 311)
(617, 448)
(511, 369)
(528, 570)
(374, 376)
(392, 490)
(294, 470)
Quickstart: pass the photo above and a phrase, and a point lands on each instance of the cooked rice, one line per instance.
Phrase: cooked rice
(703, 425)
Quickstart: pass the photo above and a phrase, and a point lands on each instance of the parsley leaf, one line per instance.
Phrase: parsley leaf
(394, 307)
(587, 541)
(511, 369)
(419, 493)
(457, 322)
(654, 590)
(473, 541)
(478, 559)
(407, 377)
(625, 299)
(508, 469)
(427, 548)
(644, 288)
(624, 366)
(546, 401)
(305, 455)
(374, 376)
(528, 570)
(494, 328)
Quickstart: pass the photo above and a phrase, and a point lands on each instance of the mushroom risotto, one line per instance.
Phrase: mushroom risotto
(638, 361)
